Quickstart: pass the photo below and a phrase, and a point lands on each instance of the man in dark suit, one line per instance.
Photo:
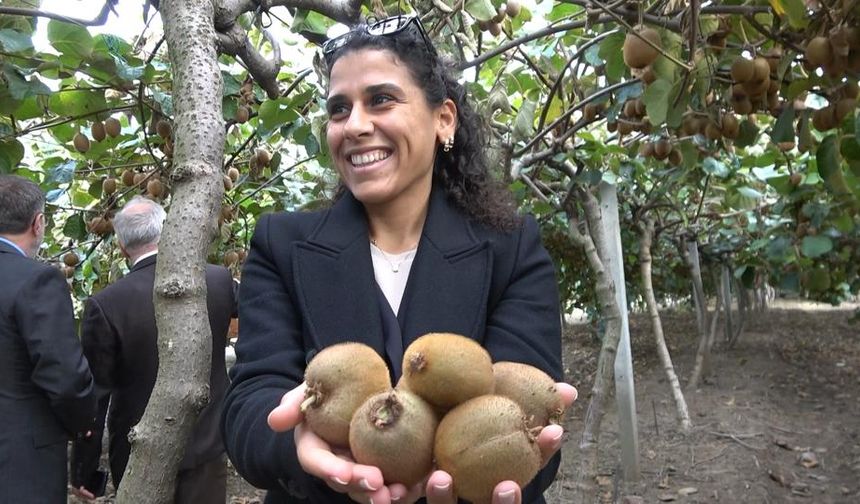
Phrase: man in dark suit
(119, 336)
(46, 389)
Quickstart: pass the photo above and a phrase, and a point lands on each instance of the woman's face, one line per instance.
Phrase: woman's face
(381, 133)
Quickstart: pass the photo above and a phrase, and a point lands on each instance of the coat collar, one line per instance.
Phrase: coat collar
(447, 286)
(143, 263)
(8, 248)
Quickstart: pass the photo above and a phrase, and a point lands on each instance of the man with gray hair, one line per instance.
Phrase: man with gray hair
(119, 335)
(46, 389)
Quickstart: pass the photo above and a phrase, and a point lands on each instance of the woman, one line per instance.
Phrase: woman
(420, 240)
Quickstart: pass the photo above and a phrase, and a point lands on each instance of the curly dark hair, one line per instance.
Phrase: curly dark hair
(463, 172)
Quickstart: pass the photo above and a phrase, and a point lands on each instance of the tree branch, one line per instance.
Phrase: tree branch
(235, 42)
(344, 11)
(99, 20)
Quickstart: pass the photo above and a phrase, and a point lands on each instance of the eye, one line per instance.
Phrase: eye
(337, 110)
(381, 99)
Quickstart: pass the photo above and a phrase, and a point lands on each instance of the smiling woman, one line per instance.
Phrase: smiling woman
(421, 238)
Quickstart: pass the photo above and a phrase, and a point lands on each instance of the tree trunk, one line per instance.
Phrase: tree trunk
(593, 241)
(726, 292)
(184, 336)
(646, 234)
(743, 308)
(691, 256)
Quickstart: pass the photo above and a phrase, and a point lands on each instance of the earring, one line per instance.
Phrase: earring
(448, 144)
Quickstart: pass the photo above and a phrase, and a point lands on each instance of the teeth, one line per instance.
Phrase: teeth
(368, 157)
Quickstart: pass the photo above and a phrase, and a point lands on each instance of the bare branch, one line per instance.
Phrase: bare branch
(344, 11)
(572, 25)
(96, 21)
(235, 42)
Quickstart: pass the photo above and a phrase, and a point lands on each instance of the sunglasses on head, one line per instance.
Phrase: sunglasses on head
(383, 28)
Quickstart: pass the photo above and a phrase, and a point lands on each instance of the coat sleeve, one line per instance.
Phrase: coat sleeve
(524, 325)
(46, 321)
(270, 361)
(101, 347)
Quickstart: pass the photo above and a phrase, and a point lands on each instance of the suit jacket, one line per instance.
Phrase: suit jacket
(119, 336)
(308, 283)
(46, 390)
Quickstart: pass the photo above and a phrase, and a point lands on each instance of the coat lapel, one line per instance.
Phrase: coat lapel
(335, 282)
(450, 277)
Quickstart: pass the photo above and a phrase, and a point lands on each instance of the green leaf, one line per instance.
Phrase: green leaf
(610, 49)
(827, 157)
(857, 127)
(19, 87)
(850, 148)
(75, 227)
(524, 123)
(310, 21)
(816, 246)
(715, 168)
(783, 130)
(844, 223)
(11, 153)
(482, 10)
(15, 41)
(75, 102)
(748, 134)
(62, 173)
(797, 87)
(657, 98)
(70, 39)
(274, 113)
(749, 192)
(796, 11)
(165, 100)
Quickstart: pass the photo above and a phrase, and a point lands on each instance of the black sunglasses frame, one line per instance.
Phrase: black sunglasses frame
(380, 29)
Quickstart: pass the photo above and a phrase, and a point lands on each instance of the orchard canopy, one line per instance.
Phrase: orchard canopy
(729, 124)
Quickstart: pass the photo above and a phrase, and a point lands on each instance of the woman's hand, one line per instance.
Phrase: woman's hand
(317, 457)
(440, 485)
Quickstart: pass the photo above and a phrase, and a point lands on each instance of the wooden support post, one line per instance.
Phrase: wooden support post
(625, 391)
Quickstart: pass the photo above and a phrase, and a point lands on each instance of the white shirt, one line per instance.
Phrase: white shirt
(391, 272)
(144, 256)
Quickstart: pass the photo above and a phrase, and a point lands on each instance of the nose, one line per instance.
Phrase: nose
(358, 123)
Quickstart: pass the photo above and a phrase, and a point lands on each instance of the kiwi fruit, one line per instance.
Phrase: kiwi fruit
(625, 127)
(138, 178)
(742, 69)
(71, 259)
(164, 129)
(591, 110)
(818, 51)
(495, 29)
(532, 389)
(645, 150)
(82, 143)
(842, 108)
(154, 188)
(675, 157)
(729, 126)
(109, 186)
(742, 106)
(662, 148)
(636, 52)
(233, 173)
(483, 442)
(773, 57)
(127, 178)
(513, 8)
(113, 127)
(630, 109)
(823, 119)
(339, 379)
(795, 179)
(263, 157)
(385, 424)
(98, 131)
(839, 42)
(100, 225)
(242, 114)
(231, 258)
(447, 369)
(712, 131)
(228, 183)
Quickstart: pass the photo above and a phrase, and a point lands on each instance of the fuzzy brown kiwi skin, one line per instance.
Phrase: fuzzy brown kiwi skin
(446, 369)
(387, 423)
(483, 442)
(532, 389)
(339, 379)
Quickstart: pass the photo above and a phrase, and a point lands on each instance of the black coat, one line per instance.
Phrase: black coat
(308, 283)
(120, 337)
(46, 390)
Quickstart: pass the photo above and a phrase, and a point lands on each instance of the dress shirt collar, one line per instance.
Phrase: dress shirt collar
(15, 246)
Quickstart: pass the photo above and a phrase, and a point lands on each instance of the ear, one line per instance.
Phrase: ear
(38, 224)
(446, 124)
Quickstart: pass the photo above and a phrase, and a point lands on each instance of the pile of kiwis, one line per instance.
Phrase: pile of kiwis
(632, 118)
(246, 99)
(661, 149)
(511, 9)
(835, 52)
(453, 407)
(842, 101)
(99, 130)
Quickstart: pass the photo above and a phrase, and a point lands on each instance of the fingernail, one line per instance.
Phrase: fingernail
(508, 497)
(395, 498)
(558, 436)
(339, 481)
(443, 488)
(365, 485)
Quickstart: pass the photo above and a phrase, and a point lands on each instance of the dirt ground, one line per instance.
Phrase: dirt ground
(776, 421)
